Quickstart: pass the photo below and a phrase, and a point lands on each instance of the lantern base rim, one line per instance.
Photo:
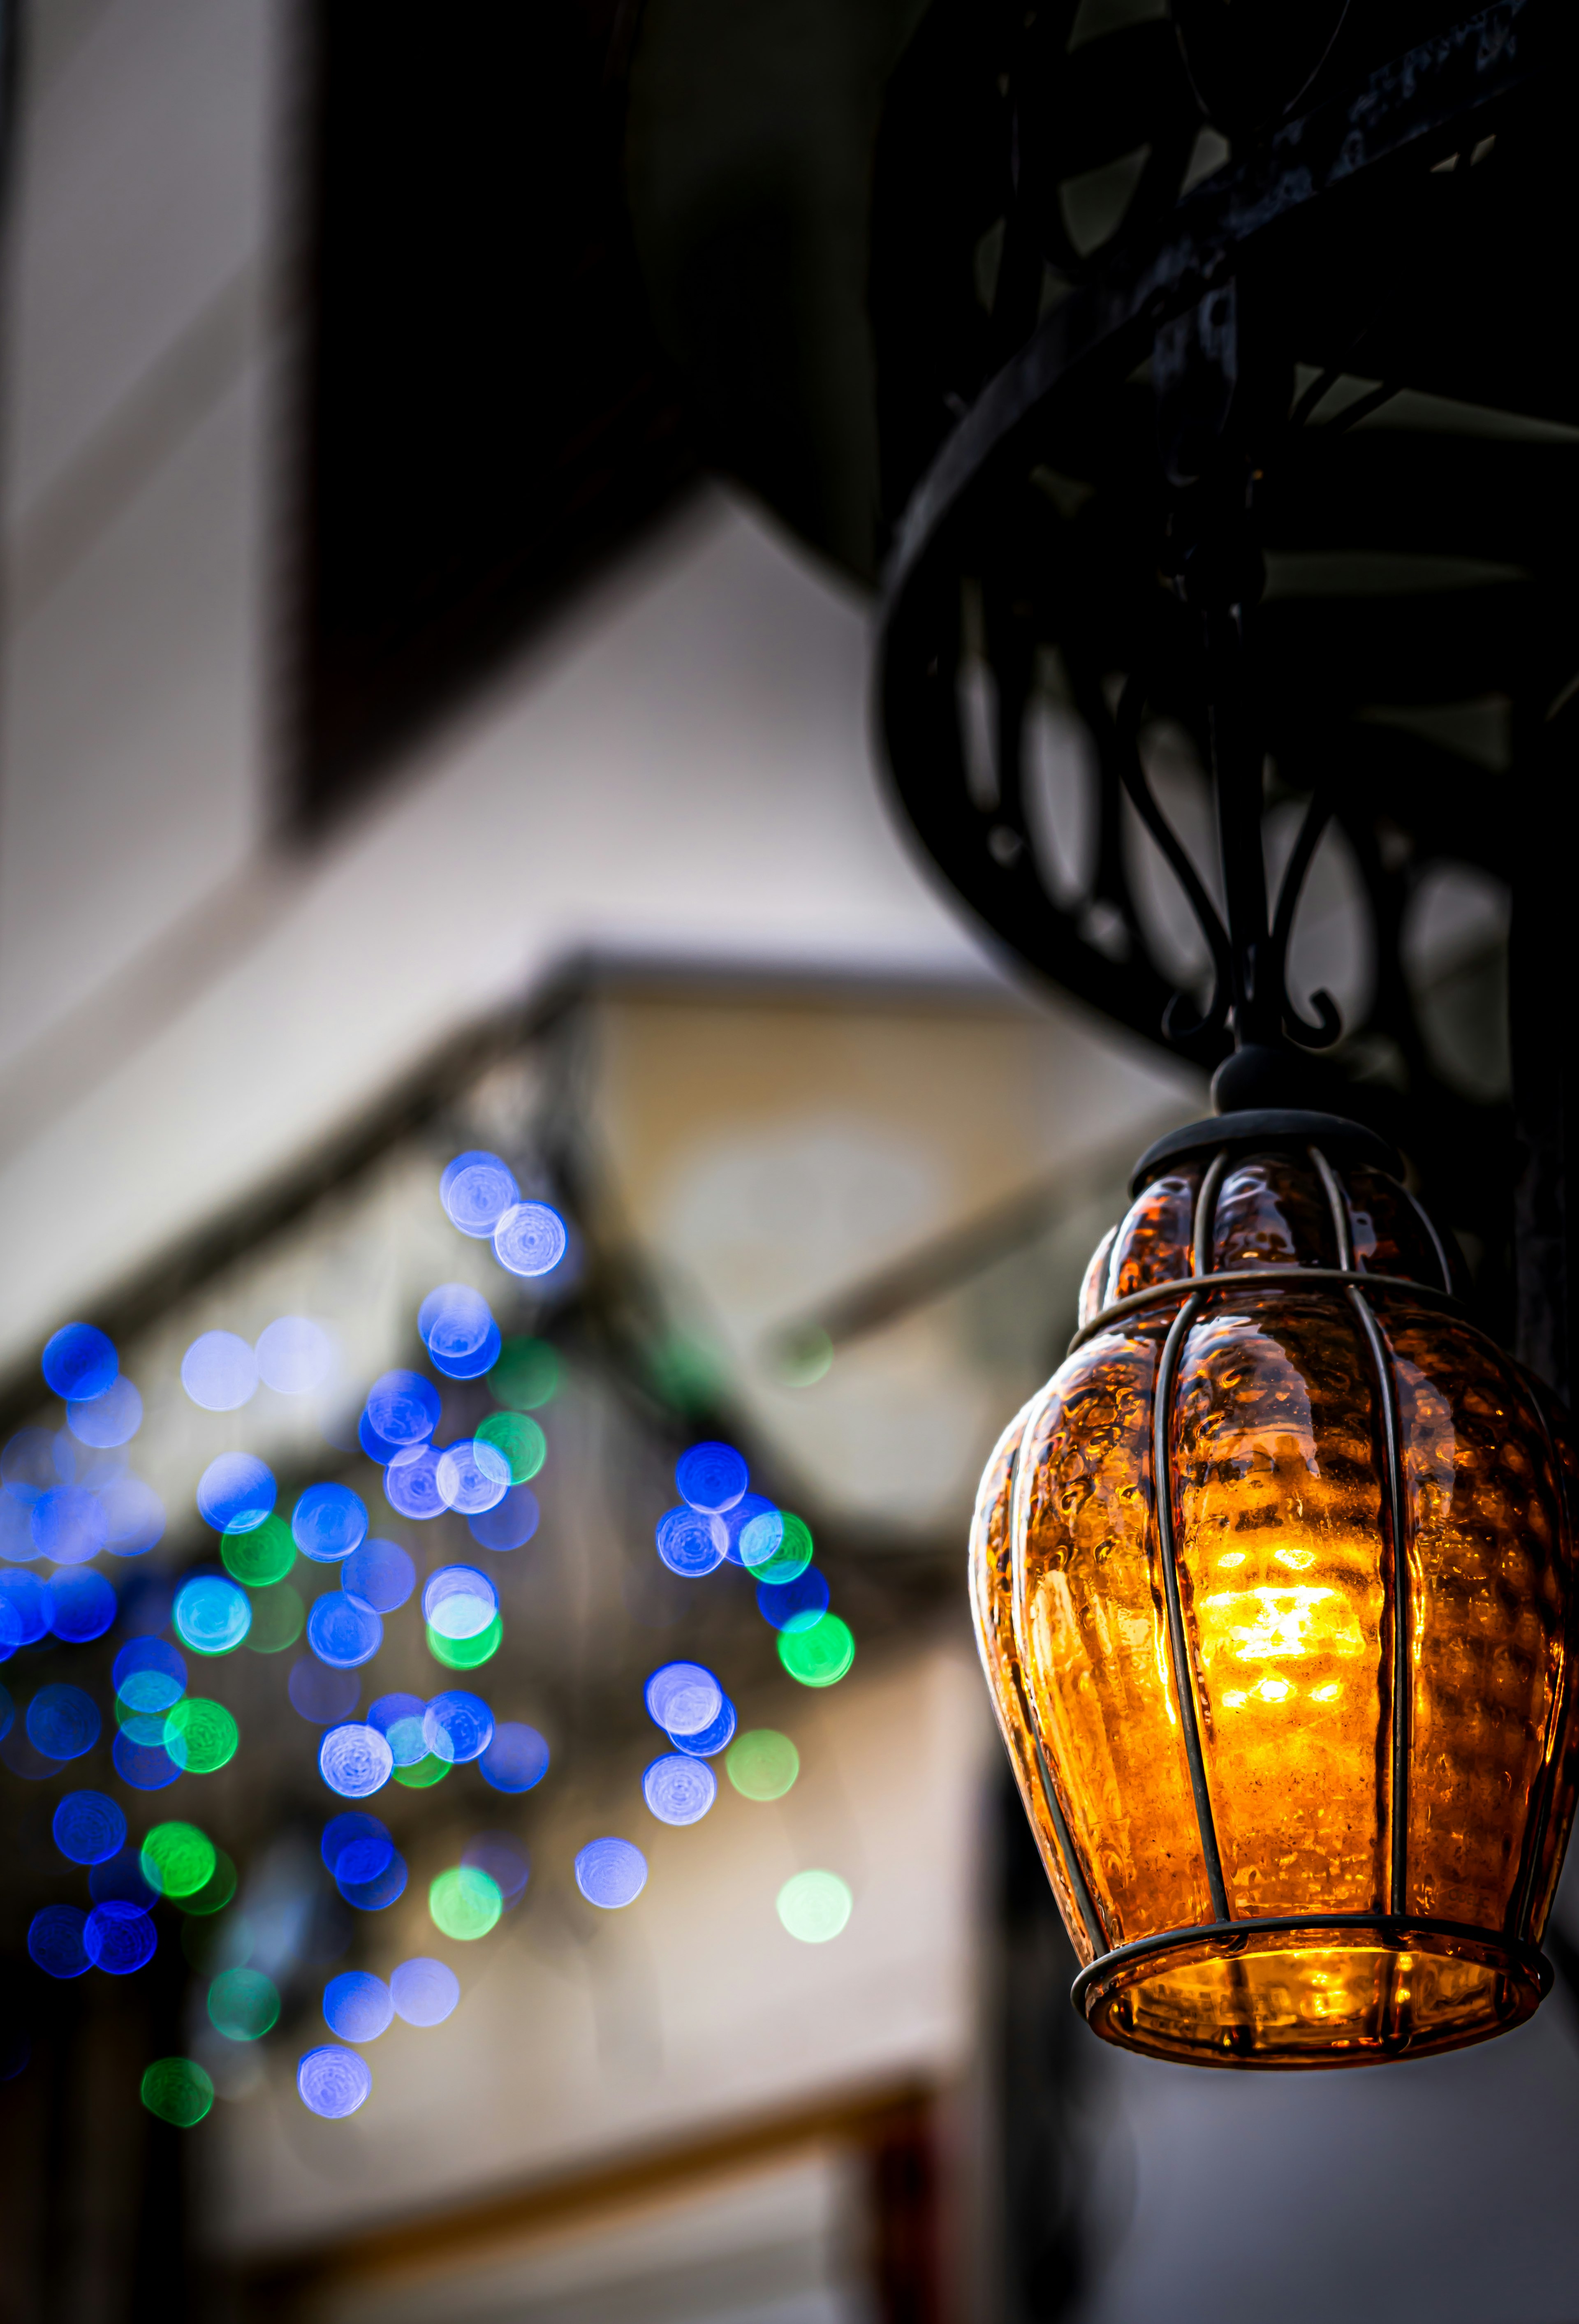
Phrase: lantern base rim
(1514, 1977)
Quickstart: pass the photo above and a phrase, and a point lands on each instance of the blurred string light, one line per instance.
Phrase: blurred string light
(424, 1991)
(236, 1493)
(711, 1476)
(516, 1760)
(776, 1546)
(411, 1484)
(294, 1356)
(456, 1325)
(118, 1937)
(457, 1726)
(63, 1722)
(148, 1676)
(244, 2004)
(815, 1906)
(458, 1601)
(527, 1374)
(476, 1189)
(798, 1605)
(178, 2092)
(820, 1656)
(466, 1654)
(399, 1720)
(177, 1859)
(357, 2005)
(89, 1828)
(611, 1873)
(402, 1409)
(69, 1524)
(472, 1476)
(354, 1760)
(678, 1789)
(507, 1865)
(212, 1614)
(465, 1903)
(519, 1441)
(80, 1606)
(379, 1575)
(278, 1619)
(200, 1736)
(219, 1371)
(81, 1363)
(259, 1554)
(342, 1632)
(530, 1239)
(762, 1764)
(109, 1420)
(54, 1940)
(509, 1524)
(328, 1522)
(333, 2082)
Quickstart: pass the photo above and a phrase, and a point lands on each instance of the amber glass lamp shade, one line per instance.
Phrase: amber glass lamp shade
(1274, 1586)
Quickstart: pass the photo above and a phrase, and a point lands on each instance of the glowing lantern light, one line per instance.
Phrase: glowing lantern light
(1273, 1584)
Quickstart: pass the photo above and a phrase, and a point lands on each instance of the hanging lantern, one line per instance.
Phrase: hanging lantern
(1274, 1586)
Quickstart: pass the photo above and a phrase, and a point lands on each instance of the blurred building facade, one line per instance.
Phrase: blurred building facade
(600, 874)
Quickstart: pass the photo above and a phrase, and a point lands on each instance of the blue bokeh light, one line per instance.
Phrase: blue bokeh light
(342, 1631)
(357, 2005)
(357, 1828)
(54, 1939)
(236, 1493)
(148, 1675)
(295, 1356)
(377, 1448)
(119, 1938)
(711, 1476)
(134, 1515)
(379, 1574)
(322, 1696)
(333, 2082)
(69, 1524)
(402, 1409)
(80, 1604)
(21, 1599)
(503, 1860)
(509, 1524)
(472, 1475)
(473, 1366)
(219, 1371)
(399, 1720)
(454, 1322)
(108, 1420)
(744, 1512)
(424, 1991)
(704, 1743)
(411, 1485)
(517, 1759)
(81, 1363)
(798, 1605)
(680, 1789)
(146, 1766)
(476, 1189)
(530, 1239)
(328, 1522)
(212, 1613)
(683, 1698)
(354, 1760)
(89, 1828)
(457, 1726)
(458, 1601)
(63, 1722)
(379, 1891)
(691, 1541)
(611, 1873)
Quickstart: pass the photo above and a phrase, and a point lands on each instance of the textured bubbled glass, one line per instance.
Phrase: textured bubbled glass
(1294, 1732)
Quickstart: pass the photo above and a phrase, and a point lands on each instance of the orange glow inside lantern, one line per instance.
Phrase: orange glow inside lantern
(1273, 1584)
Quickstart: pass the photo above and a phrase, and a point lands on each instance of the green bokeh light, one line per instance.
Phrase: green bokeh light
(179, 1860)
(789, 1559)
(465, 1903)
(424, 1771)
(217, 1891)
(517, 1437)
(815, 1906)
(242, 2004)
(177, 2091)
(143, 1728)
(805, 1358)
(200, 1735)
(278, 1615)
(260, 1557)
(528, 1373)
(762, 1764)
(818, 1656)
(465, 1653)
